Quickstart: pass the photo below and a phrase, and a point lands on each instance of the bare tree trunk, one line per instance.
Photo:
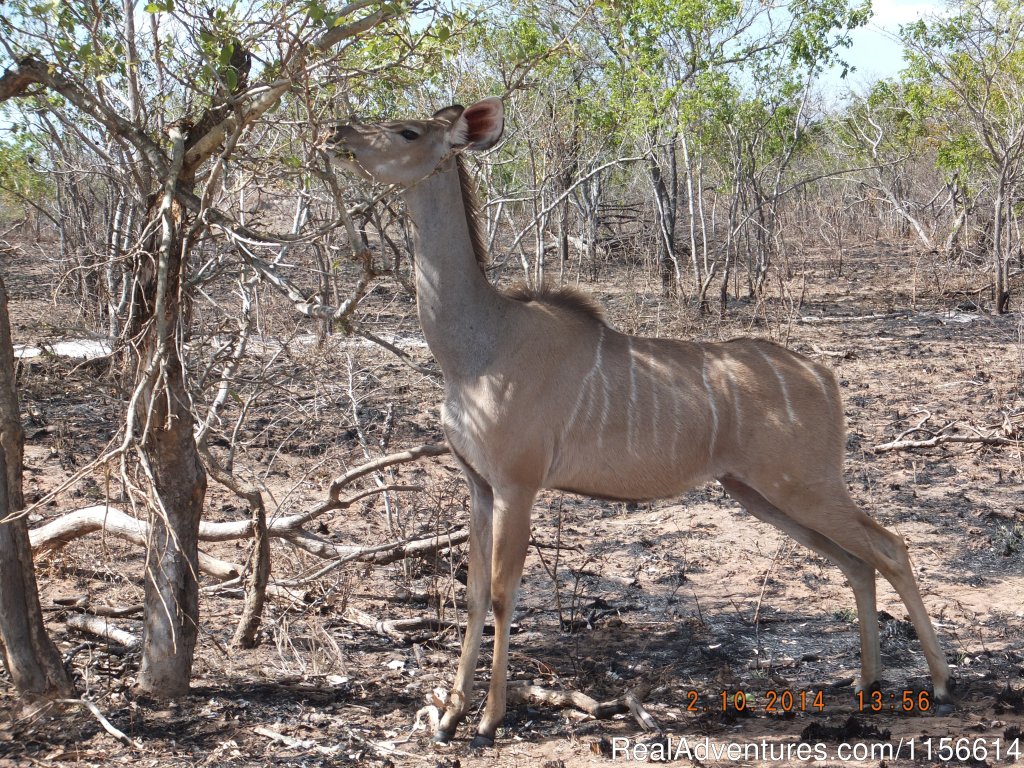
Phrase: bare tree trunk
(695, 262)
(563, 235)
(1001, 292)
(163, 426)
(256, 579)
(665, 198)
(590, 211)
(29, 655)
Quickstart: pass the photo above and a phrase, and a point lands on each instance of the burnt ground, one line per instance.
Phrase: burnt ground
(689, 598)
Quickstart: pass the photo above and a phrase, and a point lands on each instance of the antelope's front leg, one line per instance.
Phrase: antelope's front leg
(478, 592)
(511, 539)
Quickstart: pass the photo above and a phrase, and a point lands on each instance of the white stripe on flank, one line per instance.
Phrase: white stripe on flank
(631, 414)
(711, 401)
(606, 398)
(822, 382)
(584, 386)
(737, 406)
(782, 385)
(677, 425)
(655, 412)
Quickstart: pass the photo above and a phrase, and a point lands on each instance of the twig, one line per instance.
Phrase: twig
(384, 461)
(851, 318)
(397, 352)
(106, 724)
(401, 630)
(931, 442)
(394, 551)
(783, 545)
(310, 745)
(293, 743)
(940, 436)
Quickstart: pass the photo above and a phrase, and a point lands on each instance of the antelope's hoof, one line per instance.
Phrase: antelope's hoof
(945, 694)
(944, 698)
(442, 737)
(481, 742)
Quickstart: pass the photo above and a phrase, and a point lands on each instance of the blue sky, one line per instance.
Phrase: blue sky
(876, 52)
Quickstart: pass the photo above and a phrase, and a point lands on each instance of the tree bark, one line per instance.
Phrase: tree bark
(160, 422)
(163, 427)
(665, 198)
(29, 655)
(1001, 268)
(256, 579)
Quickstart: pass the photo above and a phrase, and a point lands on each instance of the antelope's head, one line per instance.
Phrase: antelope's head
(407, 151)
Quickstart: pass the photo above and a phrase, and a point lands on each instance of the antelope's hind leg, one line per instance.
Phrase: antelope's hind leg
(859, 574)
(478, 593)
(887, 552)
(838, 520)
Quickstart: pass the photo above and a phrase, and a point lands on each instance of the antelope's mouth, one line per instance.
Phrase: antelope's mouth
(334, 145)
(345, 159)
(338, 150)
(342, 152)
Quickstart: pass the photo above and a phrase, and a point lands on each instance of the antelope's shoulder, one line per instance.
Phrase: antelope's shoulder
(564, 297)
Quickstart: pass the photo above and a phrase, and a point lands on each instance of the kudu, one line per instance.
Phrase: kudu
(541, 392)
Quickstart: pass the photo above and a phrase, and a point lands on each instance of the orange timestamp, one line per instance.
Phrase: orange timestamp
(894, 701)
(770, 702)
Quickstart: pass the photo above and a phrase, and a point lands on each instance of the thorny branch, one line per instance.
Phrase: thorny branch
(1006, 433)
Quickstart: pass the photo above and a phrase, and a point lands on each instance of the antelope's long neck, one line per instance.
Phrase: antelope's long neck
(460, 312)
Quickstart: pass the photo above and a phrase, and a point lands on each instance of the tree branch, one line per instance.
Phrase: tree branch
(32, 71)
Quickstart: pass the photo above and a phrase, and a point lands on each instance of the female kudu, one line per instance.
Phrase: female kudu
(540, 392)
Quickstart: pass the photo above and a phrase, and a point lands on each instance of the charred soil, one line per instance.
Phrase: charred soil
(735, 634)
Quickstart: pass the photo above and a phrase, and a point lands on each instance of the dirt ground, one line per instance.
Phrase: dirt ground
(688, 601)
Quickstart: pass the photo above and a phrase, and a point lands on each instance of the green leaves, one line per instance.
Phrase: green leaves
(23, 174)
(963, 81)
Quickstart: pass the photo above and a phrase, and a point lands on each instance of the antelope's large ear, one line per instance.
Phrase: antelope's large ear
(479, 126)
(449, 114)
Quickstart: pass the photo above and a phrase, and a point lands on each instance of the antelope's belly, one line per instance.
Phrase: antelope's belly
(614, 467)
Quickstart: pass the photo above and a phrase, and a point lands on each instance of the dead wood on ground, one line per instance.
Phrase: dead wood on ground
(631, 701)
(1006, 433)
(101, 627)
(102, 517)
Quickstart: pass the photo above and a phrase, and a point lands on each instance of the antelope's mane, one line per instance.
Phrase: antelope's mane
(564, 297)
(471, 203)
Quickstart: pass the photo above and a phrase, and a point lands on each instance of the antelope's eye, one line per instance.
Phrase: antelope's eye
(408, 134)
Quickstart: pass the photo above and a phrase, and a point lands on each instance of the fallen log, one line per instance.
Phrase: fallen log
(72, 525)
(115, 522)
(101, 627)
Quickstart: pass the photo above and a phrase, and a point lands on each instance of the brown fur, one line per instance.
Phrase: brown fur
(541, 393)
(473, 217)
(565, 297)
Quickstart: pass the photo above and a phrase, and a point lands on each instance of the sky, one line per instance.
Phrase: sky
(876, 52)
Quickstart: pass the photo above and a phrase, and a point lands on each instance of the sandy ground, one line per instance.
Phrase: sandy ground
(689, 599)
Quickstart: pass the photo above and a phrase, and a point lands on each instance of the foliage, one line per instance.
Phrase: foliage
(24, 178)
(966, 76)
